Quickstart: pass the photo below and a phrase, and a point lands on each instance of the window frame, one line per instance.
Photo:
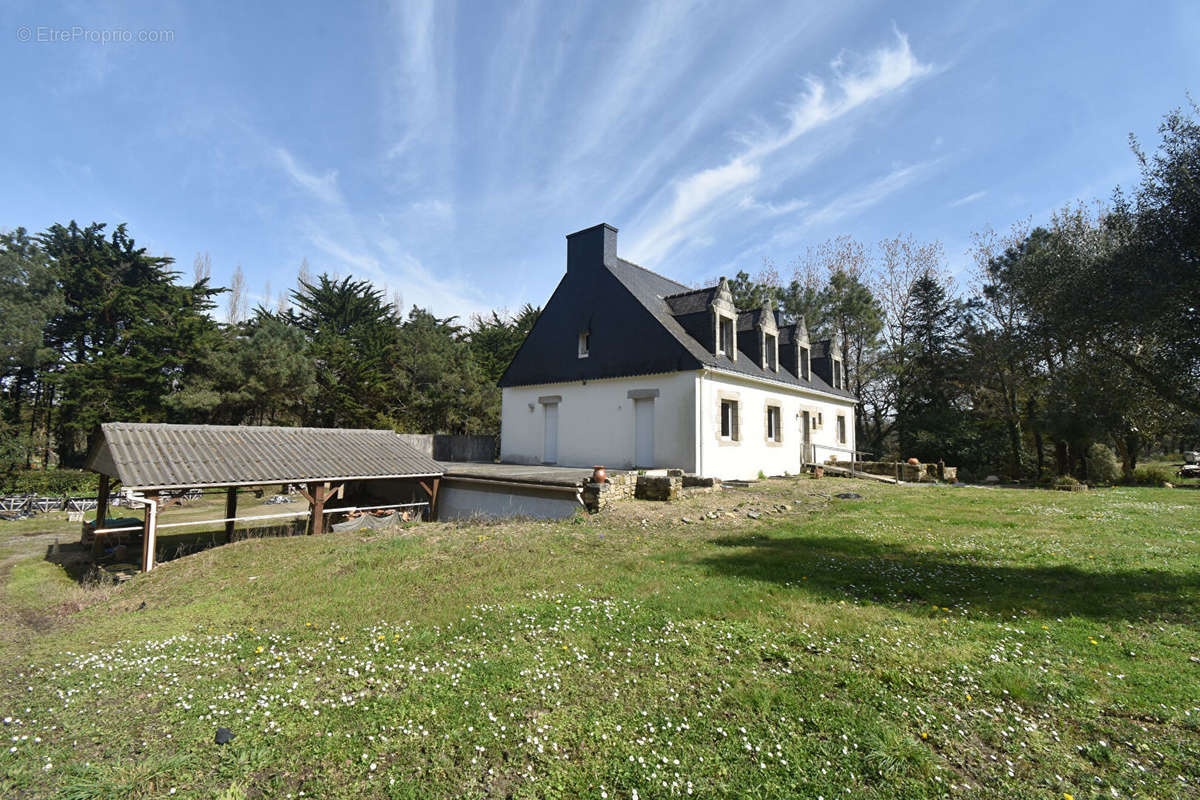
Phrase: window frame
(841, 428)
(726, 344)
(585, 344)
(729, 420)
(771, 352)
(774, 423)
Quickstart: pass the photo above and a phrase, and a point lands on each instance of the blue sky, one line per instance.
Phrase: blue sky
(444, 150)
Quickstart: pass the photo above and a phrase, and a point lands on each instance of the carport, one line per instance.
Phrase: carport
(155, 465)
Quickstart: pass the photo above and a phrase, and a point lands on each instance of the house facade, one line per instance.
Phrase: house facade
(629, 369)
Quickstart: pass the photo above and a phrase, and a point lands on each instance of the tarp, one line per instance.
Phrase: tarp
(369, 521)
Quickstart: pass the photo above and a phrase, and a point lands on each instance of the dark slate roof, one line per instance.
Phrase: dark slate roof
(631, 315)
(787, 334)
(156, 456)
(653, 292)
(691, 302)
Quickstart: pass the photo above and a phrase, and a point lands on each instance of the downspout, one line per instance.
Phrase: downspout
(151, 528)
(700, 424)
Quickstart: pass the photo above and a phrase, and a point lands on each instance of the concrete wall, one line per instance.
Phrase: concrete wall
(751, 452)
(596, 421)
(470, 501)
(464, 448)
(451, 447)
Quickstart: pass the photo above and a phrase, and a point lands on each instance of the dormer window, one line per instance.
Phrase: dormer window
(837, 374)
(770, 353)
(725, 340)
(804, 363)
(583, 344)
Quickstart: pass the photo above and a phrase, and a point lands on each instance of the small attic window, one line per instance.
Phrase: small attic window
(583, 344)
(804, 363)
(725, 336)
(770, 353)
(837, 374)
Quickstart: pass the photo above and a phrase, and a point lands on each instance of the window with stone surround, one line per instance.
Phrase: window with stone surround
(729, 420)
(841, 429)
(770, 353)
(725, 336)
(774, 424)
(584, 336)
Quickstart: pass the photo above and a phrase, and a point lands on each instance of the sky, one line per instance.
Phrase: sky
(444, 150)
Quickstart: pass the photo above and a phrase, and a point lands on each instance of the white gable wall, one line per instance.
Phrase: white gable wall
(596, 421)
(751, 452)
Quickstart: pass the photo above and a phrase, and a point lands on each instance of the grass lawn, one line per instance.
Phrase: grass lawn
(918, 642)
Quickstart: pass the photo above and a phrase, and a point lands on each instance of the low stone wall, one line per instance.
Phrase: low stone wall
(658, 487)
(909, 473)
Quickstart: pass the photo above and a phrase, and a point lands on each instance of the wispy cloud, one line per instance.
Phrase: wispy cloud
(858, 200)
(855, 84)
(322, 187)
(970, 198)
(769, 209)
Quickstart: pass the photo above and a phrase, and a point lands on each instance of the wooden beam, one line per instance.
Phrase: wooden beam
(230, 512)
(433, 498)
(428, 491)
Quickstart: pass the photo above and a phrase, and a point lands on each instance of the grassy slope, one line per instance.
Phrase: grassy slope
(911, 644)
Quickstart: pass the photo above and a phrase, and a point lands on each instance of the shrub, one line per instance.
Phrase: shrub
(51, 482)
(1151, 476)
(1102, 464)
(1065, 482)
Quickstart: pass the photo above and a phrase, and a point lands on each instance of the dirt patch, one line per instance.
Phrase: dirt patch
(735, 505)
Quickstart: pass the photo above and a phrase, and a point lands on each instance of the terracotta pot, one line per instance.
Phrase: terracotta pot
(599, 475)
(914, 461)
(818, 472)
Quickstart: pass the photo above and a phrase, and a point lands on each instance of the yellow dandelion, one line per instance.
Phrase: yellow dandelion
(1068, 796)
(259, 650)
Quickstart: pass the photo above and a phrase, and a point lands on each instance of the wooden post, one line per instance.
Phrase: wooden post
(432, 492)
(149, 532)
(230, 512)
(102, 501)
(101, 514)
(317, 506)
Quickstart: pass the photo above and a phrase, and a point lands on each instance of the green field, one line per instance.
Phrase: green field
(918, 642)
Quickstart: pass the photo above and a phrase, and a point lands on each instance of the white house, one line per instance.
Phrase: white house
(627, 368)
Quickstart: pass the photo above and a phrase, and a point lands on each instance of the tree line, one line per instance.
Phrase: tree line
(1078, 332)
(93, 329)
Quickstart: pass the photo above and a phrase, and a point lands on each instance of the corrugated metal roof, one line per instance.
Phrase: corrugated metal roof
(158, 456)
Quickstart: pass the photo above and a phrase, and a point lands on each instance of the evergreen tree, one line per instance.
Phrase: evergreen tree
(126, 337)
(495, 340)
(350, 331)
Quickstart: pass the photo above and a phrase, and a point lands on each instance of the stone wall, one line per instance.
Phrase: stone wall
(909, 473)
(658, 487)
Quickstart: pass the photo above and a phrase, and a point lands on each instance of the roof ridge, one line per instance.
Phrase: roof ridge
(689, 291)
(248, 427)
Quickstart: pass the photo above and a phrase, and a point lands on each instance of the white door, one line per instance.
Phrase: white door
(643, 421)
(806, 438)
(550, 435)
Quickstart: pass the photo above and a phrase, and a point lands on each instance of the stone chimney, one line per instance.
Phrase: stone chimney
(592, 248)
